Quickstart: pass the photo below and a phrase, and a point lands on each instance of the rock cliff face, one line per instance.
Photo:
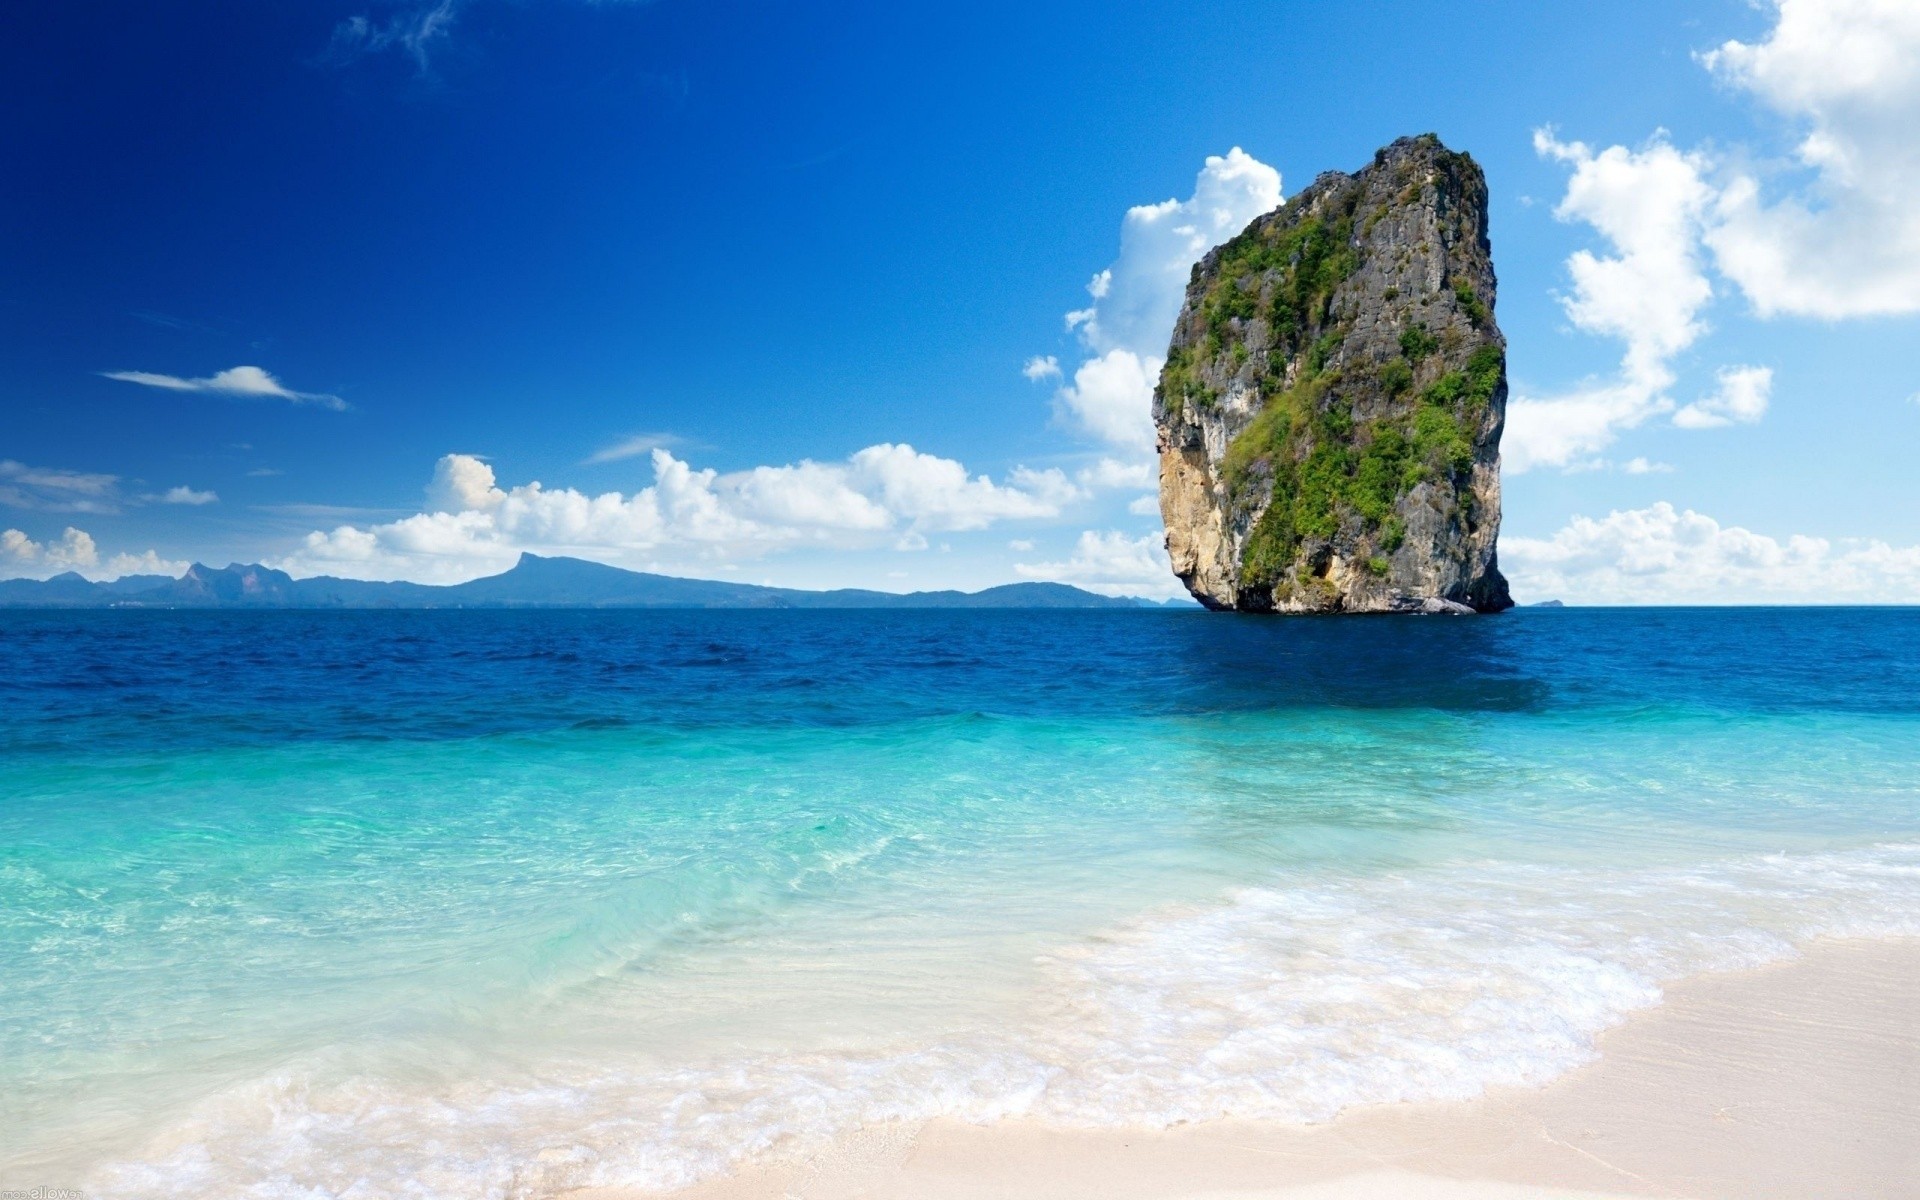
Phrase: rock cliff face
(1329, 415)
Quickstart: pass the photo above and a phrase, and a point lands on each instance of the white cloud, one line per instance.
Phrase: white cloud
(1136, 299)
(1660, 555)
(817, 495)
(463, 483)
(632, 447)
(1560, 431)
(249, 383)
(1846, 244)
(21, 556)
(936, 493)
(1039, 368)
(147, 563)
(1835, 234)
(1740, 399)
(186, 495)
(1111, 397)
(1647, 204)
(883, 495)
(74, 549)
(1021, 545)
(1642, 466)
(1112, 473)
(1113, 564)
(51, 490)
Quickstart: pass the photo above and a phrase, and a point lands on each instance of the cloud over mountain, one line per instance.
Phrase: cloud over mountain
(886, 494)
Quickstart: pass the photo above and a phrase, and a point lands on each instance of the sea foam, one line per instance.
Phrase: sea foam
(1288, 1002)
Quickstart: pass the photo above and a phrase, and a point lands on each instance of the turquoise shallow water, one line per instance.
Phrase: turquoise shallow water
(464, 904)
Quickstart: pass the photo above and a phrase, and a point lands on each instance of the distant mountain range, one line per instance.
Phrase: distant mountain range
(534, 582)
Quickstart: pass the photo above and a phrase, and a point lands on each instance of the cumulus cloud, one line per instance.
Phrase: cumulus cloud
(1039, 368)
(1111, 397)
(1846, 242)
(1561, 431)
(1647, 204)
(1135, 300)
(146, 562)
(1643, 466)
(1662, 555)
(1833, 234)
(1113, 473)
(463, 483)
(937, 493)
(1648, 293)
(185, 495)
(1113, 564)
(247, 383)
(21, 557)
(885, 495)
(1741, 399)
(52, 490)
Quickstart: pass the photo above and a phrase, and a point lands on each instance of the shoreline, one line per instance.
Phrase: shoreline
(1800, 1079)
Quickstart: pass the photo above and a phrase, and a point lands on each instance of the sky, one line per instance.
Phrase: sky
(874, 294)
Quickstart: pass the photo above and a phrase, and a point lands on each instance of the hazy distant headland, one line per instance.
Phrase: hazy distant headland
(533, 582)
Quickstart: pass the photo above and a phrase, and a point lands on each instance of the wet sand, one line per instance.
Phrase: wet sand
(1799, 1080)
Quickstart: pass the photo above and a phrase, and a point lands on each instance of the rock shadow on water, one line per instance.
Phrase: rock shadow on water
(1251, 662)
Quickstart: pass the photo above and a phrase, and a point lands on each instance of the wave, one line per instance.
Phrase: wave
(1286, 1002)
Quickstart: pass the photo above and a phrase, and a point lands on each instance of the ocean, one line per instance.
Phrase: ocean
(464, 904)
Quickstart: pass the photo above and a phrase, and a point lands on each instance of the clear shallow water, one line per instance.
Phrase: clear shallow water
(464, 904)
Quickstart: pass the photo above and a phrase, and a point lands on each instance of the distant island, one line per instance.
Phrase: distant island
(533, 582)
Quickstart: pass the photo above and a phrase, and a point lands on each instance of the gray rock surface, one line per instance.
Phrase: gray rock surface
(1329, 415)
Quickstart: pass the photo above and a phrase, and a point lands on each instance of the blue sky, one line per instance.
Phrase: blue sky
(289, 282)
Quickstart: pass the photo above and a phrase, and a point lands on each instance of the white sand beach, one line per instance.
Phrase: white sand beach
(1799, 1081)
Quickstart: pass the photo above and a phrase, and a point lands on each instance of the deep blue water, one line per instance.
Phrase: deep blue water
(138, 682)
(282, 892)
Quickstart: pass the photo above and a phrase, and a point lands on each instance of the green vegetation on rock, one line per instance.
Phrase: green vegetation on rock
(1470, 302)
(1180, 384)
(1416, 343)
(1301, 265)
(1396, 377)
(1328, 470)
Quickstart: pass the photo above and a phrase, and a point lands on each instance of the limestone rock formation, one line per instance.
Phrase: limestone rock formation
(1330, 411)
